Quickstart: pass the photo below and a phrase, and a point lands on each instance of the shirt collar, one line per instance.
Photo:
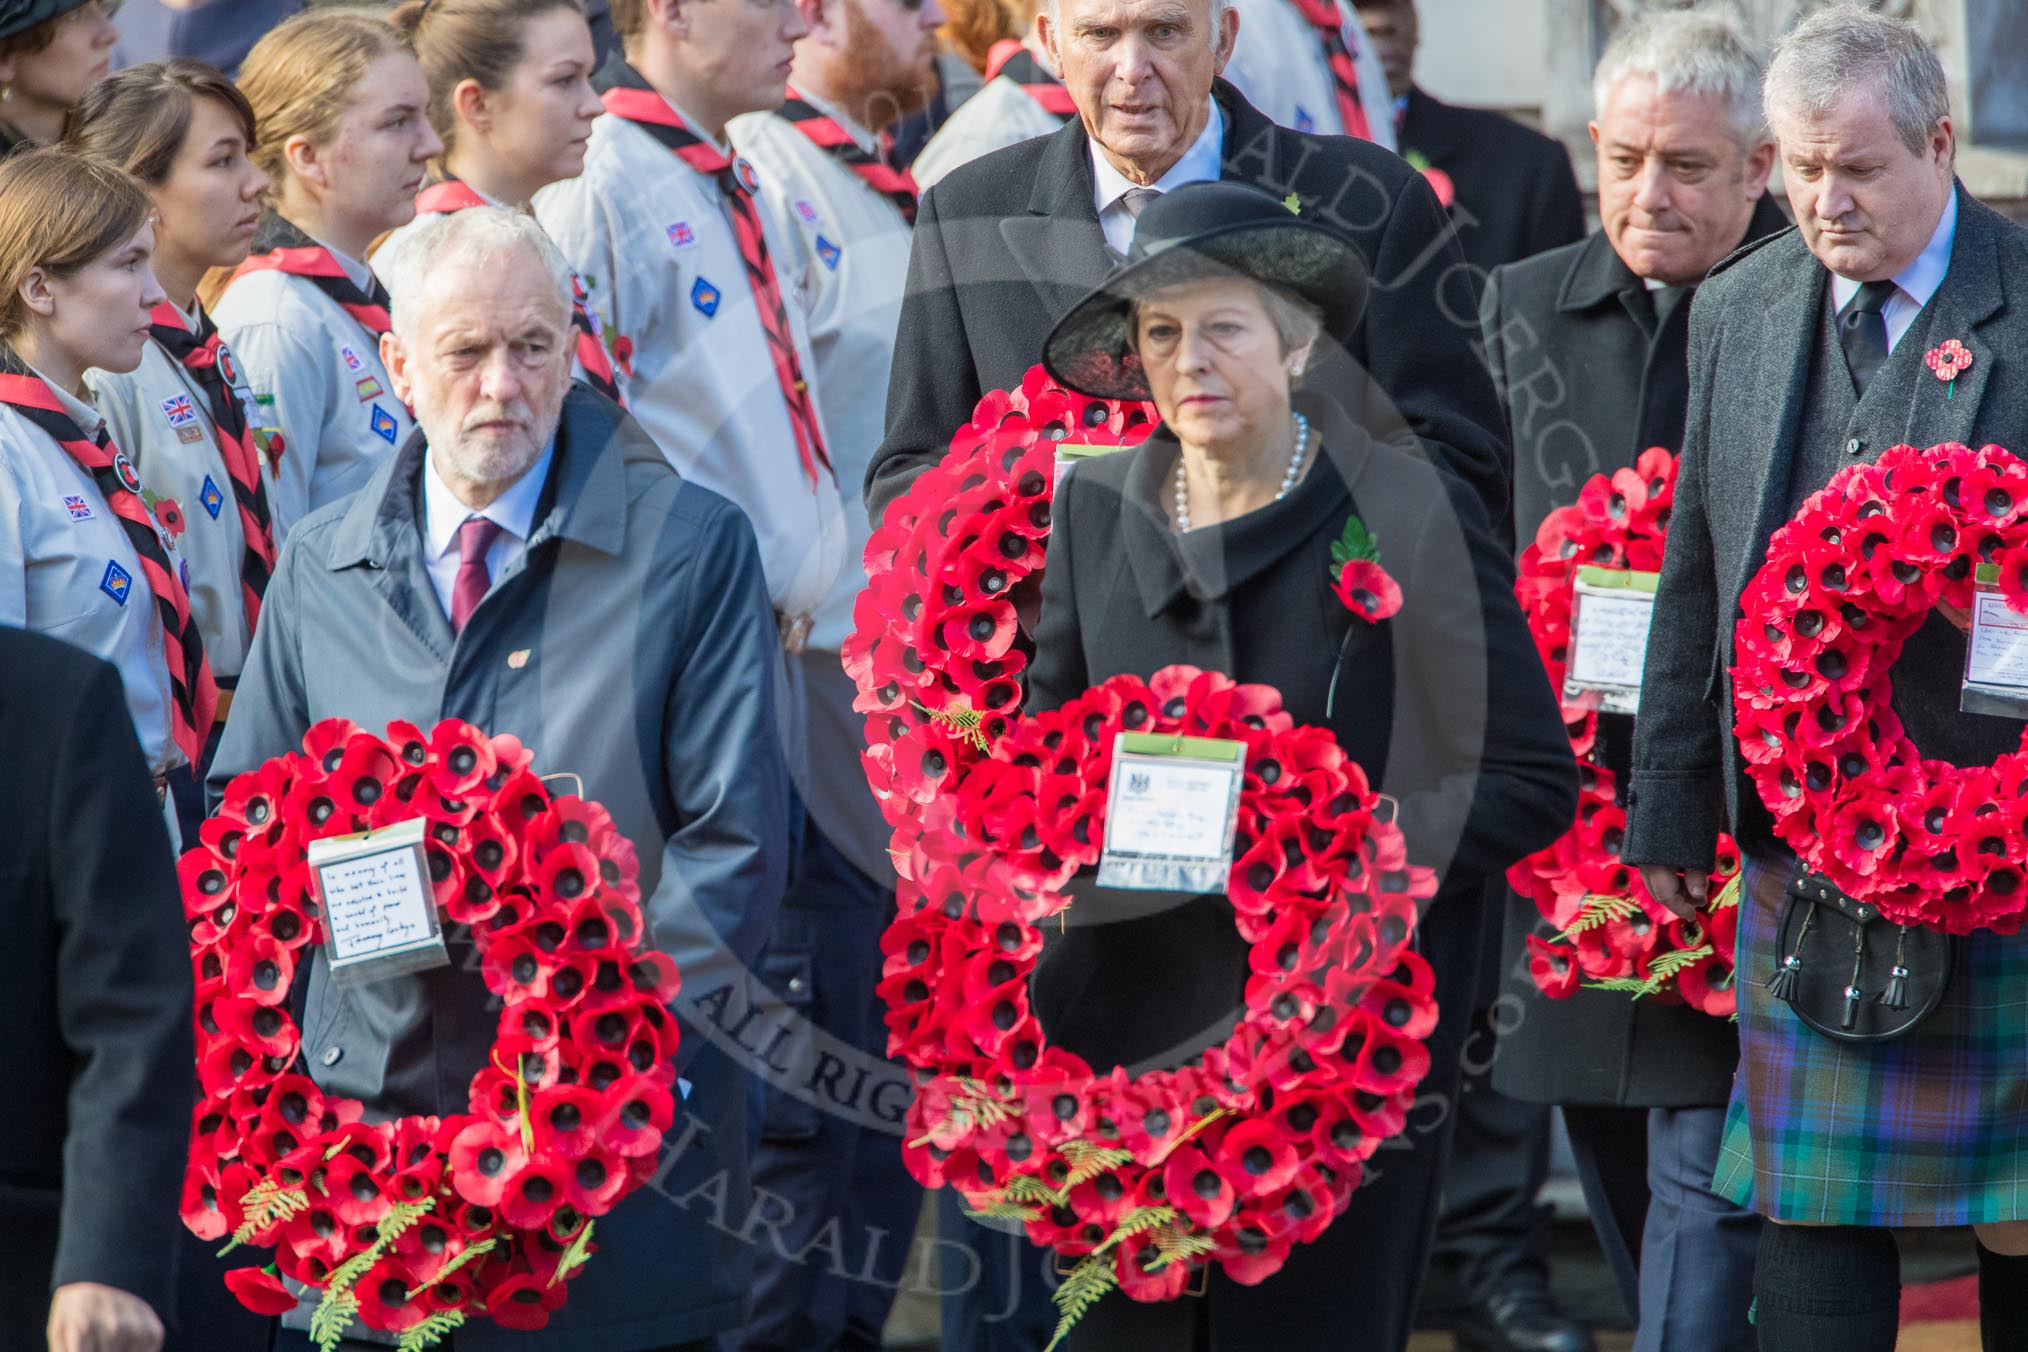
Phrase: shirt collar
(1199, 164)
(1920, 279)
(864, 139)
(77, 410)
(691, 125)
(357, 272)
(513, 511)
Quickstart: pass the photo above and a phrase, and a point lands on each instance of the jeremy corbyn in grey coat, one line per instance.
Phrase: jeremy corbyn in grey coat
(528, 562)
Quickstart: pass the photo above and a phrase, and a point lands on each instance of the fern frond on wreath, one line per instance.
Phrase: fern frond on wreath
(1003, 1210)
(1728, 895)
(575, 1256)
(1028, 1188)
(1087, 1161)
(1173, 1246)
(1598, 909)
(468, 1254)
(266, 1203)
(1080, 1290)
(1626, 985)
(333, 1315)
(1669, 965)
(431, 1331)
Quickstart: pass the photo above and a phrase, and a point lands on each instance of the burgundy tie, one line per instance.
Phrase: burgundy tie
(475, 537)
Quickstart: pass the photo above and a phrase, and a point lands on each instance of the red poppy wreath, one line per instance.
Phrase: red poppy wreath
(416, 1225)
(1610, 933)
(1844, 586)
(1139, 1181)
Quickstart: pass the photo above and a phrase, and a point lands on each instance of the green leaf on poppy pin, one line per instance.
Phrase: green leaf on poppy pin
(1354, 542)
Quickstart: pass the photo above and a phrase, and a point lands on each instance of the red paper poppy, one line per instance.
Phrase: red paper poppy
(484, 1157)
(260, 1289)
(524, 1301)
(384, 1301)
(1364, 588)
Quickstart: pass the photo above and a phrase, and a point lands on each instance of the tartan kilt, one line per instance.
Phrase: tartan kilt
(1930, 1129)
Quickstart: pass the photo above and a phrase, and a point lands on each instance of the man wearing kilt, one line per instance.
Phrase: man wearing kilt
(1807, 354)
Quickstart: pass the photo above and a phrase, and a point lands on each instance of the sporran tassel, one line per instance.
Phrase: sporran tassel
(1896, 994)
(1782, 985)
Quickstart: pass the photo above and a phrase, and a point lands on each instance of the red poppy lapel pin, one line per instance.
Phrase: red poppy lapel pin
(1948, 360)
(1357, 579)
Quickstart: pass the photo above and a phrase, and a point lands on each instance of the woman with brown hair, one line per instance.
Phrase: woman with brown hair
(340, 107)
(51, 52)
(87, 554)
(511, 98)
(184, 414)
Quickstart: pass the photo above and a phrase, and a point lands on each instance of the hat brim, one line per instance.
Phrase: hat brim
(1088, 351)
(36, 12)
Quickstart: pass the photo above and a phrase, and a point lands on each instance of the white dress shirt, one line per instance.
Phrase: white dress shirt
(1279, 64)
(1200, 164)
(652, 240)
(317, 379)
(161, 417)
(443, 513)
(68, 570)
(1915, 284)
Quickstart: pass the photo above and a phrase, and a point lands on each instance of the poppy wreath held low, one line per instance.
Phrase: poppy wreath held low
(1610, 932)
(1234, 1158)
(1844, 586)
(1143, 1181)
(416, 1225)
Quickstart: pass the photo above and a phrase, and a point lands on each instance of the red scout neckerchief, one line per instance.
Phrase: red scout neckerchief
(627, 96)
(451, 195)
(195, 695)
(210, 365)
(1020, 66)
(1326, 18)
(897, 185)
(281, 247)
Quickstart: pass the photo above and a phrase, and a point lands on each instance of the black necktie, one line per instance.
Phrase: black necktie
(1862, 329)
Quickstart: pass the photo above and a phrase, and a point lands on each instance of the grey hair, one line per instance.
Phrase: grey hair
(1843, 48)
(482, 232)
(1218, 7)
(1693, 51)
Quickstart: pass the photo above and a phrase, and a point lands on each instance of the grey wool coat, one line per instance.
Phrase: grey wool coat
(632, 644)
(1752, 336)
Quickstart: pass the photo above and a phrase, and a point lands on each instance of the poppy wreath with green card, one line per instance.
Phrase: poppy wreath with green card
(417, 1225)
(1139, 1183)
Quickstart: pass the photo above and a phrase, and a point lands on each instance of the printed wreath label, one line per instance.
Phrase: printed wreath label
(1142, 1181)
(1610, 931)
(416, 1225)
(1844, 586)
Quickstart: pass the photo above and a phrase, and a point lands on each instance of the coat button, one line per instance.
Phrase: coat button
(797, 985)
(1854, 446)
(331, 1055)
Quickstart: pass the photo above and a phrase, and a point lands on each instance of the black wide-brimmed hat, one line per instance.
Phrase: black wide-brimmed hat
(18, 16)
(1216, 229)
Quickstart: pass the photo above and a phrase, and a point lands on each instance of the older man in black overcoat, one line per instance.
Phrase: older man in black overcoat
(96, 1005)
(1005, 244)
(1588, 346)
(1807, 354)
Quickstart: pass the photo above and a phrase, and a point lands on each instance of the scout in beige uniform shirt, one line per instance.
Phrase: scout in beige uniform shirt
(67, 570)
(846, 249)
(317, 381)
(160, 417)
(652, 241)
(1279, 64)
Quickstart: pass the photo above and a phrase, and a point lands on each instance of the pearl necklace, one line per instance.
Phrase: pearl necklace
(1295, 472)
